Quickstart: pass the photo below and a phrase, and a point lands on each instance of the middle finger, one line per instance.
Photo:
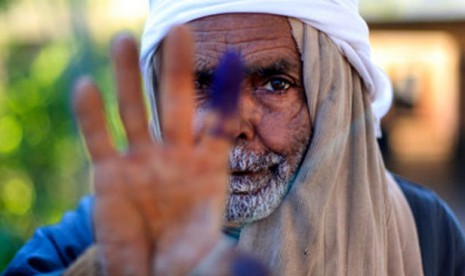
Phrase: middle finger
(130, 98)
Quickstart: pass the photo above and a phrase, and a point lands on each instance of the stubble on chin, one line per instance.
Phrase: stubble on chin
(255, 195)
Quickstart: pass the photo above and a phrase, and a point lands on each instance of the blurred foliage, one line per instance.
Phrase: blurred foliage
(43, 167)
(4, 4)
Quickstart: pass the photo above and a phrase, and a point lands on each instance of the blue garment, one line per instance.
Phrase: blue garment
(442, 242)
(53, 248)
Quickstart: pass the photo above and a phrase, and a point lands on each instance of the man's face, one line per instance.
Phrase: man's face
(274, 128)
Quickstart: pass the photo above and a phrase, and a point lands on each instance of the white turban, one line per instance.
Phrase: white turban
(339, 19)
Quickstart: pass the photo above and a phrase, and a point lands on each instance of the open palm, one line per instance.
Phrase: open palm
(158, 207)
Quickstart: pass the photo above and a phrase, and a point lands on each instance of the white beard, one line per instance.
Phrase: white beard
(259, 191)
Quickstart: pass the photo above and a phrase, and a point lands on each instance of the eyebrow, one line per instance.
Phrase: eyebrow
(275, 67)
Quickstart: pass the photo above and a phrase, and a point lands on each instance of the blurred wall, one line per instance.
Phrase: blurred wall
(456, 30)
(439, 111)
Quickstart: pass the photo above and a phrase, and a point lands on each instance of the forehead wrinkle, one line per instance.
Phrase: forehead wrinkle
(217, 46)
(231, 20)
(240, 38)
(236, 30)
(261, 43)
(272, 51)
(204, 63)
(286, 64)
(236, 35)
(224, 29)
(211, 48)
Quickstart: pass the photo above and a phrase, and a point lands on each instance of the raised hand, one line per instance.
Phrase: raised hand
(158, 207)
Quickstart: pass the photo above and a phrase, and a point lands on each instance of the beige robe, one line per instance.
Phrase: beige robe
(344, 215)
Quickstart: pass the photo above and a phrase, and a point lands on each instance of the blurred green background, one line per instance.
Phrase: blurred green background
(44, 46)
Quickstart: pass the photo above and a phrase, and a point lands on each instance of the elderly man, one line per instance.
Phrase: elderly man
(307, 190)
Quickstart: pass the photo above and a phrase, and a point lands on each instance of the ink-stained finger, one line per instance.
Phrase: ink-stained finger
(227, 85)
(221, 122)
(177, 87)
(90, 113)
(130, 98)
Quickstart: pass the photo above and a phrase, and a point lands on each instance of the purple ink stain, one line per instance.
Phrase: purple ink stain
(227, 81)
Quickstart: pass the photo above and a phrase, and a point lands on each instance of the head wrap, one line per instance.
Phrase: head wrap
(338, 19)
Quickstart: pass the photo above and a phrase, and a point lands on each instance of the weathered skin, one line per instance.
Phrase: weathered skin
(267, 121)
(155, 201)
(274, 121)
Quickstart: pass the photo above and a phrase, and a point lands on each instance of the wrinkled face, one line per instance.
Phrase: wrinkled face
(274, 122)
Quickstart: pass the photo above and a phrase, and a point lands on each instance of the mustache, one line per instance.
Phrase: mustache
(242, 160)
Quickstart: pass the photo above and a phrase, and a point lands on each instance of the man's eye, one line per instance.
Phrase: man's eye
(203, 82)
(199, 86)
(277, 85)
(202, 91)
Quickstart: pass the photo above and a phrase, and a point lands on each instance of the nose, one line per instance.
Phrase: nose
(248, 117)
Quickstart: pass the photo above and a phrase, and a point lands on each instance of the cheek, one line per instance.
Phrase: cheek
(286, 130)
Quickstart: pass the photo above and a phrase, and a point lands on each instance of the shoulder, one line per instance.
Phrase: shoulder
(53, 248)
(442, 241)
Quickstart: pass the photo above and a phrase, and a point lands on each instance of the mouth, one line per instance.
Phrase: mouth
(247, 173)
(253, 192)
(273, 169)
(249, 183)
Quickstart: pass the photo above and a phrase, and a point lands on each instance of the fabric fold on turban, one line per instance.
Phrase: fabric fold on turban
(338, 19)
(344, 215)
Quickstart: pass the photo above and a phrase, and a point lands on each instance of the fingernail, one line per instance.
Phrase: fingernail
(227, 84)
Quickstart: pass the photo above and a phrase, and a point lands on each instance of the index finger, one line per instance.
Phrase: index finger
(221, 121)
(89, 109)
